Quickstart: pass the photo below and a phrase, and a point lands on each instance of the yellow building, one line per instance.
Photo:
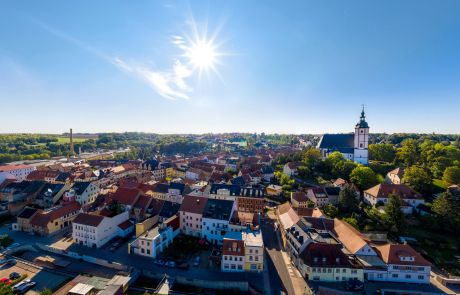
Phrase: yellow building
(45, 223)
(253, 250)
(322, 262)
(181, 172)
(274, 190)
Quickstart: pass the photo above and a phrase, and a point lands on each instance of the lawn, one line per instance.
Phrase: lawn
(438, 186)
(422, 234)
(183, 247)
(67, 140)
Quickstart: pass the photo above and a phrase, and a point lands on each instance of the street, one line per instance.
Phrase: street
(280, 280)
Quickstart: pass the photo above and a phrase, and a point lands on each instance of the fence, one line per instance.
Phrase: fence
(242, 286)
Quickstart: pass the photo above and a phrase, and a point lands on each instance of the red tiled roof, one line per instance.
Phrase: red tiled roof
(42, 219)
(402, 190)
(142, 202)
(227, 247)
(194, 204)
(125, 225)
(390, 254)
(5, 168)
(300, 197)
(126, 196)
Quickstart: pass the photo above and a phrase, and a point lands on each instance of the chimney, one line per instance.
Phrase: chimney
(71, 143)
(405, 242)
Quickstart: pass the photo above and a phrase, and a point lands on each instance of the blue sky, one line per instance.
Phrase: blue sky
(279, 67)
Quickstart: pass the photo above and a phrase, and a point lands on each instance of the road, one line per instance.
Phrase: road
(280, 280)
(136, 261)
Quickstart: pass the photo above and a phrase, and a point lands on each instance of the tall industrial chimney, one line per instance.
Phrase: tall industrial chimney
(71, 142)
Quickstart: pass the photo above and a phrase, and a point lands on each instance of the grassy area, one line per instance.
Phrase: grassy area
(424, 235)
(5, 241)
(438, 186)
(281, 201)
(67, 140)
(55, 289)
(182, 248)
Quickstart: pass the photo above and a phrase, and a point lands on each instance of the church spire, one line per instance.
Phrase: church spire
(362, 122)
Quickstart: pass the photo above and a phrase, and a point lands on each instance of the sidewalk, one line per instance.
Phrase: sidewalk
(267, 289)
(294, 273)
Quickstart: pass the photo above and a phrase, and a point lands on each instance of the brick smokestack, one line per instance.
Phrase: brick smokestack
(71, 142)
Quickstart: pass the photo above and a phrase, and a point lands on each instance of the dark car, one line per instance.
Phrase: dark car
(14, 276)
(354, 285)
(183, 266)
(26, 287)
(113, 240)
(114, 247)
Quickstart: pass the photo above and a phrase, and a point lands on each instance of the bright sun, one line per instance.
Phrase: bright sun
(202, 54)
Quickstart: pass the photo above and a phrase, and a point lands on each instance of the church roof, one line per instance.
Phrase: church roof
(339, 141)
(362, 121)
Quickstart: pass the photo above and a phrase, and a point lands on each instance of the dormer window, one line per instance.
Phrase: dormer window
(316, 259)
(337, 259)
(324, 259)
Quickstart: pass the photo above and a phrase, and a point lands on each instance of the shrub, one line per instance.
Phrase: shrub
(199, 291)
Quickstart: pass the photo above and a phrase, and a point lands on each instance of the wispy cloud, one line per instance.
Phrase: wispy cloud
(177, 37)
(169, 84)
(178, 42)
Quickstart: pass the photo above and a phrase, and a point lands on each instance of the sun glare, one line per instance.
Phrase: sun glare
(202, 55)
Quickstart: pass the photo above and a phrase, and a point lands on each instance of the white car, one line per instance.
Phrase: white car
(170, 264)
(15, 287)
(13, 246)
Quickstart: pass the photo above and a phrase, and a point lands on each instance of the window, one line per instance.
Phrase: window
(226, 266)
(395, 267)
(354, 271)
(250, 250)
(324, 270)
(316, 279)
(395, 275)
(225, 257)
(212, 232)
(421, 277)
(344, 279)
(313, 270)
(233, 266)
(344, 270)
(379, 276)
(250, 258)
(240, 267)
(337, 279)
(241, 258)
(230, 258)
(148, 251)
(408, 276)
(329, 270)
(257, 258)
(142, 250)
(421, 268)
(257, 251)
(337, 270)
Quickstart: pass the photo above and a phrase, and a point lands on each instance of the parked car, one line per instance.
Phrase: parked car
(26, 287)
(12, 262)
(5, 281)
(184, 266)
(114, 247)
(159, 262)
(18, 285)
(13, 246)
(197, 261)
(32, 233)
(171, 264)
(14, 276)
(353, 285)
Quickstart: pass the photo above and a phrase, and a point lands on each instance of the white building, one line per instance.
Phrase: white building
(95, 229)
(405, 265)
(20, 171)
(216, 218)
(352, 146)
(409, 198)
(85, 192)
(157, 239)
(233, 252)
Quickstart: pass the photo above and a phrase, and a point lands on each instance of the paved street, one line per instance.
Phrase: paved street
(280, 281)
(136, 261)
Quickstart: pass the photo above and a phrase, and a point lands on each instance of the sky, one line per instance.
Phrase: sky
(291, 67)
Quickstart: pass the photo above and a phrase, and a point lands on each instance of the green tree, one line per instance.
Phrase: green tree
(287, 187)
(363, 177)
(330, 210)
(451, 176)
(448, 209)
(394, 214)
(231, 171)
(304, 171)
(417, 179)
(348, 198)
(297, 157)
(343, 169)
(46, 291)
(312, 156)
(333, 159)
(410, 152)
(351, 221)
(381, 152)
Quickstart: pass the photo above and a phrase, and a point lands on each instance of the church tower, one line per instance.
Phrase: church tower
(361, 155)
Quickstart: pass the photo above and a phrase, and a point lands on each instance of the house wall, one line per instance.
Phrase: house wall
(402, 274)
(254, 258)
(232, 263)
(331, 273)
(124, 233)
(191, 223)
(147, 224)
(392, 178)
(366, 250)
(89, 195)
(214, 230)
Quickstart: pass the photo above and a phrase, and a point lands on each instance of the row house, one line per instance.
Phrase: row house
(177, 191)
(50, 194)
(299, 200)
(48, 176)
(243, 251)
(251, 200)
(97, 228)
(291, 168)
(340, 182)
(85, 192)
(318, 196)
(216, 218)
(20, 171)
(409, 198)
(153, 166)
(196, 174)
(191, 215)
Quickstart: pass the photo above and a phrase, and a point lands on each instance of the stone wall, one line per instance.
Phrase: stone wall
(242, 286)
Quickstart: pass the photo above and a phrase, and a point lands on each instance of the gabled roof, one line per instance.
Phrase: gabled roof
(142, 202)
(80, 187)
(43, 218)
(300, 197)
(13, 167)
(332, 191)
(161, 188)
(189, 181)
(329, 141)
(194, 204)
(169, 209)
(88, 219)
(267, 170)
(390, 253)
(218, 209)
(324, 254)
(125, 225)
(27, 212)
(384, 190)
(398, 171)
(126, 196)
(352, 239)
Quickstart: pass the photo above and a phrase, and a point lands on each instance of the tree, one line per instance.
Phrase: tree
(381, 152)
(448, 208)
(394, 214)
(231, 171)
(287, 187)
(46, 291)
(286, 180)
(297, 157)
(312, 156)
(363, 177)
(348, 198)
(417, 179)
(343, 169)
(409, 153)
(351, 221)
(330, 210)
(304, 171)
(333, 159)
(451, 176)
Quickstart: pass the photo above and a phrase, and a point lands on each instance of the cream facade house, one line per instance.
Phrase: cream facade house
(395, 176)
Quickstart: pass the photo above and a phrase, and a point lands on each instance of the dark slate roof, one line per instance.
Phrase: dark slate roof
(362, 122)
(166, 165)
(267, 170)
(80, 187)
(27, 213)
(178, 186)
(150, 163)
(63, 176)
(235, 190)
(238, 180)
(169, 209)
(424, 208)
(161, 188)
(35, 186)
(339, 141)
(333, 191)
(218, 209)
(252, 192)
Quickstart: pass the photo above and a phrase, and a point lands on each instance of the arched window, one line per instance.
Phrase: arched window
(360, 145)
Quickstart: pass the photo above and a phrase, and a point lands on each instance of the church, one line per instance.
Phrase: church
(352, 146)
